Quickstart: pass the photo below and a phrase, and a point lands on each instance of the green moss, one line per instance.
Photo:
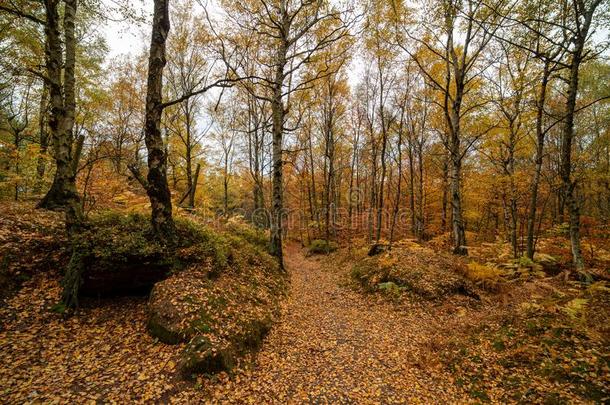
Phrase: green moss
(201, 356)
(201, 325)
(251, 234)
(321, 246)
(391, 289)
(113, 237)
(116, 242)
(163, 334)
(479, 394)
(361, 273)
(255, 332)
(499, 345)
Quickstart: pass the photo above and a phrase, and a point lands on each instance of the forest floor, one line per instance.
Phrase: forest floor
(333, 343)
(336, 345)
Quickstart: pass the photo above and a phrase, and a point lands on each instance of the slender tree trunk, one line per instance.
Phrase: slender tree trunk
(540, 138)
(314, 195)
(352, 192)
(373, 190)
(511, 206)
(277, 107)
(565, 171)
(189, 157)
(445, 194)
(43, 139)
(17, 166)
(329, 180)
(380, 201)
(420, 194)
(225, 187)
(398, 186)
(157, 187)
(412, 186)
(459, 232)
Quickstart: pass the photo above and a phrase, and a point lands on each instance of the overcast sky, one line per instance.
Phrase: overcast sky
(124, 37)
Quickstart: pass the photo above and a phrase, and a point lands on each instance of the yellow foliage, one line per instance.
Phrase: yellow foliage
(576, 307)
(486, 275)
(387, 261)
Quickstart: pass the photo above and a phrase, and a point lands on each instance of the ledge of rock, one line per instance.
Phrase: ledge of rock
(219, 318)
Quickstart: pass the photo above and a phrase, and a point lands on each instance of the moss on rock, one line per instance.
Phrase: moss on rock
(220, 317)
(322, 246)
(410, 267)
(121, 256)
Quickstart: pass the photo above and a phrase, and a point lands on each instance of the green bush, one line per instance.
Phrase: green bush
(319, 246)
(238, 227)
(112, 238)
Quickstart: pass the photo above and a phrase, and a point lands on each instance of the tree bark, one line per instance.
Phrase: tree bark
(583, 16)
(63, 193)
(459, 232)
(540, 139)
(43, 139)
(278, 111)
(565, 170)
(158, 188)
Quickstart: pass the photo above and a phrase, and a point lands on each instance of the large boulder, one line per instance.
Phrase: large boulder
(220, 317)
(117, 254)
(136, 276)
(410, 267)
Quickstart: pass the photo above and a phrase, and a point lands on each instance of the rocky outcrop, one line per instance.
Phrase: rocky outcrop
(222, 317)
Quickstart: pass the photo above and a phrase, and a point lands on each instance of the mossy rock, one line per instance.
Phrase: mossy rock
(415, 269)
(377, 248)
(172, 311)
(221, 317)
(120, 255)
(165, 333)
(200, 356)
(254, 332)
(550, 265)
(322, 246)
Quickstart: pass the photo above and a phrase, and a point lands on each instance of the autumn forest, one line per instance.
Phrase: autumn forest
(305, 201)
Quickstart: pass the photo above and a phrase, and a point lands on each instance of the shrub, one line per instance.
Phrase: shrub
(485, 275)
(237, 226)
(319, 246)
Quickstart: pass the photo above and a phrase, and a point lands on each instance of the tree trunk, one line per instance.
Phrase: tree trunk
(277, 110)
(445, 198)
(225, 187)
(314, 194)
(540, 138)
(420, 193)
(412, 185)
(399, 176)
(158, 188)
(189, 157)
(459, 232)
(43, 139)
(565, 170)
(62, 99)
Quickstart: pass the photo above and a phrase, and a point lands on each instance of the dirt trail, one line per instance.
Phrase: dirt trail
(335, 345)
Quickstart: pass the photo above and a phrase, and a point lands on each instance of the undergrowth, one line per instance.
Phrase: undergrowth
(322, 246)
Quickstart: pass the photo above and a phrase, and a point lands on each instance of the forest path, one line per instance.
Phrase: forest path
(336, 345)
